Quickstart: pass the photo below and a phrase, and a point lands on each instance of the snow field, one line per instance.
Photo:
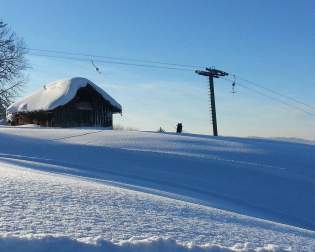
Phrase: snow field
(103, 190)
(262, 178)
(45, 204)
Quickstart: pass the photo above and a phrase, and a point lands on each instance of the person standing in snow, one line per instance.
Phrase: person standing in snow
(179, 128)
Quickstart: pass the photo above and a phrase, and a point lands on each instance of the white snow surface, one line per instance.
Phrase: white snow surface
(103, 190)
(55, 94)
(152, 244)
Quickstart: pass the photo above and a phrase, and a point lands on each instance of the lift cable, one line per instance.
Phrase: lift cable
(112, 58)
(270, 97)
(111, 62)
(274, 92)
(157, 65)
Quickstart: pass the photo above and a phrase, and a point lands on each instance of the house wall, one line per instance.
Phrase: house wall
(71, 116)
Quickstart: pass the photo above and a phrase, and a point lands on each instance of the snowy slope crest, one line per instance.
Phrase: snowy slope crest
(56, 94)
(153, 244)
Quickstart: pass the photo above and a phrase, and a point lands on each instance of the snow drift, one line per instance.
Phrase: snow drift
(56, 94)
(152, 244)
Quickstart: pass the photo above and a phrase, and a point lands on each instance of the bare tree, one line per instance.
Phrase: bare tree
(12, 64)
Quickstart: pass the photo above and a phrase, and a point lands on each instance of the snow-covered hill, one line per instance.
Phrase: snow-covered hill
(144, 191)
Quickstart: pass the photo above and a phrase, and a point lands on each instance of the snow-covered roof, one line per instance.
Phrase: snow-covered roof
(55, 94)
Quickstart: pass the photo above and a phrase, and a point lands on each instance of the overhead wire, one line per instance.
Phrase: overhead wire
(270, 97)
(113, 58)
(111, 62)
(167, 66)
(274, 92)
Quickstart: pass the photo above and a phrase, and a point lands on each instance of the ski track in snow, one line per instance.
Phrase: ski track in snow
(106, 187)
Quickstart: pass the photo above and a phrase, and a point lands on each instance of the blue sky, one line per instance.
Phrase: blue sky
(269, 42)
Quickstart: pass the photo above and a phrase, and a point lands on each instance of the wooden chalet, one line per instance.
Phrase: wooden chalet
(68, 103)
